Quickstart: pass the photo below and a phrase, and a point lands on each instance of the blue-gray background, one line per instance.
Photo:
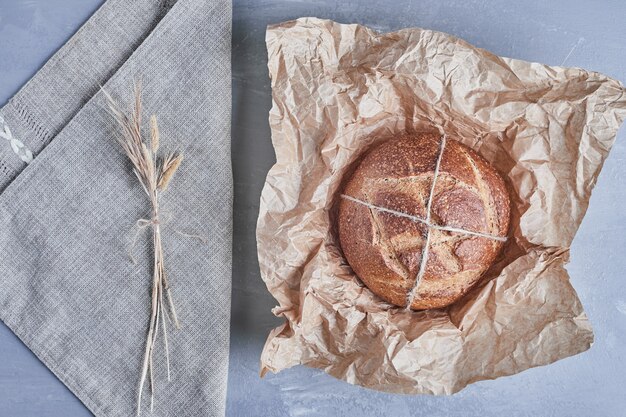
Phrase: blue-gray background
(580, 33)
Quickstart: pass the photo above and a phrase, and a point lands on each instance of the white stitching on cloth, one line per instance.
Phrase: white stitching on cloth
(17, 145)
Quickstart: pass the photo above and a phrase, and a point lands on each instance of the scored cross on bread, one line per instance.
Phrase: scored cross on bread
(421, 219)
(469, 193)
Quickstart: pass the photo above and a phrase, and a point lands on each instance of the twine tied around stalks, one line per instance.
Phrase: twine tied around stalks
(143, 224)
(154, 174)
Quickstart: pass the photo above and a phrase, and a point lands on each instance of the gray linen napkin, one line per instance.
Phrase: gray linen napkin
(69, 288)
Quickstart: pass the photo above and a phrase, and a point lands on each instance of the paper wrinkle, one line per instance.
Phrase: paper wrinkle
(339, 88)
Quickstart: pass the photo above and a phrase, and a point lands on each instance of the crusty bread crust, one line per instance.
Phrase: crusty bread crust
(469, 193)
(384, 224)
(384, 250)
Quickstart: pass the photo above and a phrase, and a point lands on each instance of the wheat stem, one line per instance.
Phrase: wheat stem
(147, 363)
(172, 309)
(167, 350)
(153, 174)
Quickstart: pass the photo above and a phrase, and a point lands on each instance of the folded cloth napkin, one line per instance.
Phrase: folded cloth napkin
(69, 205)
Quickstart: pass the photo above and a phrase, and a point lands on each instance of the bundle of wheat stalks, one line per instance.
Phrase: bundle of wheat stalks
(154, 174)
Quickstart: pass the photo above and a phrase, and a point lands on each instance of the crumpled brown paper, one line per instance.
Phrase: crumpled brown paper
(336, 88)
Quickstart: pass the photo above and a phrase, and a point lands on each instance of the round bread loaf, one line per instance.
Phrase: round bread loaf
(421, 218)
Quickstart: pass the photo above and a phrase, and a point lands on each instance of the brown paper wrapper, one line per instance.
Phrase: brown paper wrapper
(337, 89)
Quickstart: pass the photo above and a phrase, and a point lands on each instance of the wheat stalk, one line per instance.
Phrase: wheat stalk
(154, 175)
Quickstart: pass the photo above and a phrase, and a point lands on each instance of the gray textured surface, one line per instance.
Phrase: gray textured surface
(69, 289)
(576, 33)
(30, 32)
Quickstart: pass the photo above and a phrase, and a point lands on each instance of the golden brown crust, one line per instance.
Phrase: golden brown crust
(455, 263)
(385, 249)
(469, 193)
(397, 174)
